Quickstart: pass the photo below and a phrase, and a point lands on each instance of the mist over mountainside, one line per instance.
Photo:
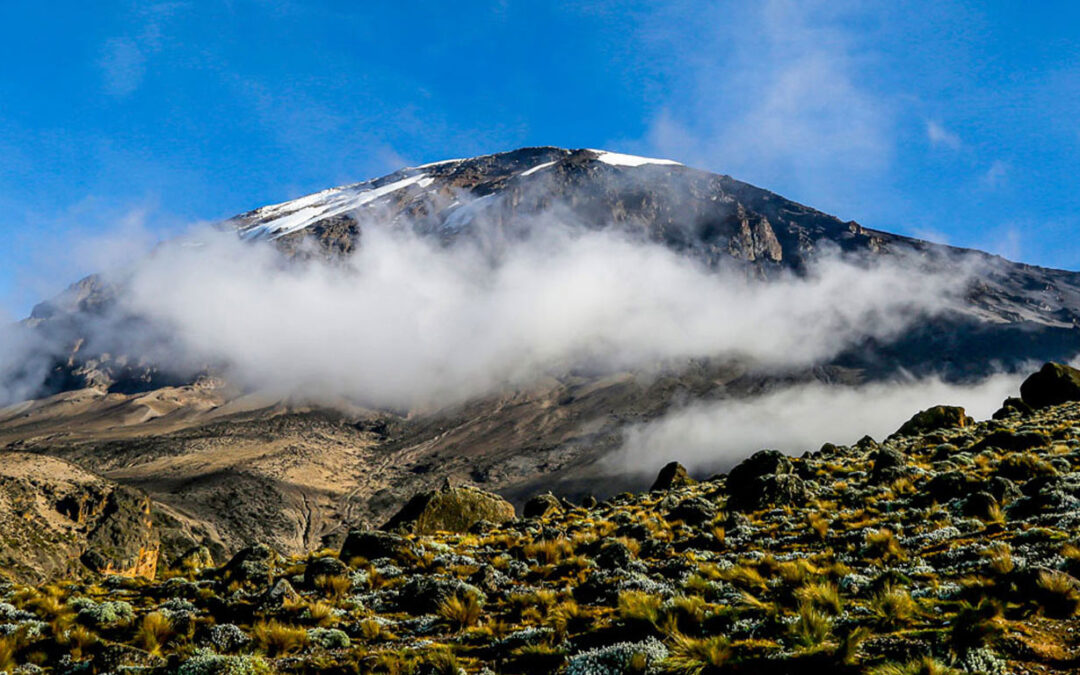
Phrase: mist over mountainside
(513, 320)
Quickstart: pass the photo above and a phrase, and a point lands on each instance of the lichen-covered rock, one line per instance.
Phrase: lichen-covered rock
(450, 509)
(934, 419)
(372, 545)
(673, 475)
(254, 564)
(542, 505)
(1054, 384)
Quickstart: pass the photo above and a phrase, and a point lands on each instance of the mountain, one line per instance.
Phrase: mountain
(250, 465)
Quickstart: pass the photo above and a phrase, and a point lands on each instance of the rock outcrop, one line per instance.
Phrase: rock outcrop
(450, 509)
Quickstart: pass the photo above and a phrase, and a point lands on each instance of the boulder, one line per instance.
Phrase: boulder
(1012, 440)
(327, 566)
(253, 564)
(673, 475)
(422, 594)
(372, 545)
(1012, 406)
(889, 464)
(1052, 385)
(692, 511)
(195, 560)
(765, 479)
(542, 505)
(933, 419)
(450, 509)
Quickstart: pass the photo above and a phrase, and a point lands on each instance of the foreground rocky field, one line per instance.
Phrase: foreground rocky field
(951, 546)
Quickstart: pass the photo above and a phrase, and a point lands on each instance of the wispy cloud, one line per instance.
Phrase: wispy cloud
(938, 135)
(776, 97)
(996, 174)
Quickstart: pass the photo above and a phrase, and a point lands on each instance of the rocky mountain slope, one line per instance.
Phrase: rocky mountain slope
(248, 466)
(951, 546)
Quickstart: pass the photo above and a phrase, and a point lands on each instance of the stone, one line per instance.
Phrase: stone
(252, 564)
(765, 479)
(692, 511)
(542, 505)
(673, 475)
(327, 566)
(1015, 441)
(889, 464)
(933, 419)
(372, 545)
(450, 509)
(1054, 384)
(422, 594)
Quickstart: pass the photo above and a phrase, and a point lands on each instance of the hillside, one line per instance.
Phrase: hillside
(951, 546)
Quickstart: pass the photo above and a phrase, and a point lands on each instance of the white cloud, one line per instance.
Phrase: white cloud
(776, 96)
(996, 174)
(713, 436)
(937, 134)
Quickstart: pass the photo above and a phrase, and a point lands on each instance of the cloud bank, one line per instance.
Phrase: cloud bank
(714, 436)
(408, 322)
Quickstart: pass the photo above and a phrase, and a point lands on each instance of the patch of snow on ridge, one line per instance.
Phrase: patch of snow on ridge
(619, 159)
(538, 167)
(279, 220)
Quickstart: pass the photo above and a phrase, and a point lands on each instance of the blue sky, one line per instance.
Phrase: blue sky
(124, 122)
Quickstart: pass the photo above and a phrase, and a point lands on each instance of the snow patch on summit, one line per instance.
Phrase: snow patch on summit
(279, 220)
(619, 159)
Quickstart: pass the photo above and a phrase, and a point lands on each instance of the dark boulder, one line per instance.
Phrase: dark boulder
(1052, 385)
(692, 511)
(947, 486)
(933, 419)
(450, 509)
(1012, 406)
(255, 564)
(673, 475)
(372, 545)
(981, 505)
(765, 479)
(1012, 440)
(327, 566)
(542, 505)
(889, 464)
(422, 594)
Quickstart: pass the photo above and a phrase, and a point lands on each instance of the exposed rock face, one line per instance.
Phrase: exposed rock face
(450, 509)
(1052, 385)
(933, 419)
(59, 519)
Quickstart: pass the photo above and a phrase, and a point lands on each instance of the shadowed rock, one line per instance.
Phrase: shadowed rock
(542, 505)
(371, 545)
(1052, 385)
(673, 475)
